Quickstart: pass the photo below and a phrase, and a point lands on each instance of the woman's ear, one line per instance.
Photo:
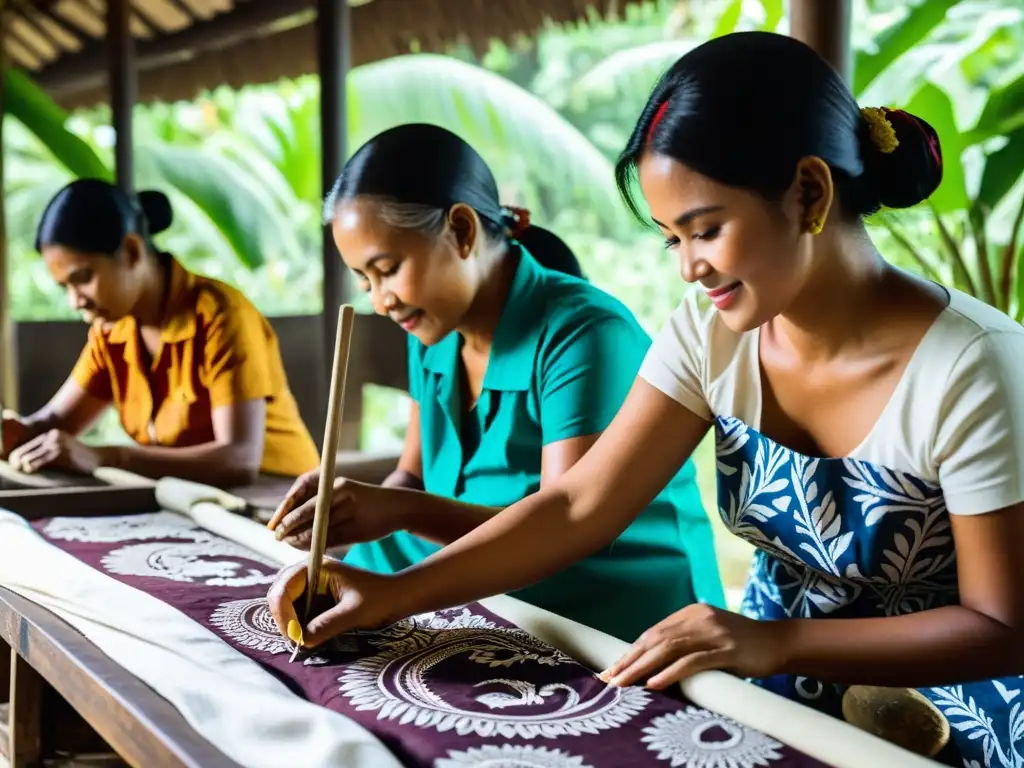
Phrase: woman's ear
(811, 194)
(133, 249)
(465, 227)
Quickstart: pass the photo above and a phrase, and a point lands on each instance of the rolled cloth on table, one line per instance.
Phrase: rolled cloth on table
(182, 495)
(224, 696)
(122, 477)
(52, 478)
(814, 734)
(46, 478)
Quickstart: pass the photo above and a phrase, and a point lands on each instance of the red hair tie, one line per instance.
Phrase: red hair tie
(931, 139)
(657, 119)
(518, 220)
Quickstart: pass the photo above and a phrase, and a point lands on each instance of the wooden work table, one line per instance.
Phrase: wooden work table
(60, 695)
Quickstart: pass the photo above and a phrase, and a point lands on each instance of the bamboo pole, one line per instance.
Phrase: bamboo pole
(825, 26)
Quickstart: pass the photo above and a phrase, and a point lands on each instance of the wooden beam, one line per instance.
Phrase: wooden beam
(85, 69)
(825, 26)
(147, 21)
(40, 30)
(71, 27)
(8, 352)
(122, 80)
(333, 55)
(29, 45)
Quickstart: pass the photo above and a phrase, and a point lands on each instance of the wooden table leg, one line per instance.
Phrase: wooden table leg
(5, 697)
(5, 672)
(25, 714)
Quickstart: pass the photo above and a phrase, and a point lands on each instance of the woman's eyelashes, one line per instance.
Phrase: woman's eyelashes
(364, 281)
(708, 234)
(671, 241)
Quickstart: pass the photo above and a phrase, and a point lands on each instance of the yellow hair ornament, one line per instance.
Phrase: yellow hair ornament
(883, 135)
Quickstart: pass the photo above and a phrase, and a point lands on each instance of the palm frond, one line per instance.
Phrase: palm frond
(519, 136)
(234, 200)
(630, 73)
(40, 114)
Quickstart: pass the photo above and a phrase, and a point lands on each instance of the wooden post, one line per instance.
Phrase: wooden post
(825, 26)
(8, 349)
(333, 56)
(123, 85)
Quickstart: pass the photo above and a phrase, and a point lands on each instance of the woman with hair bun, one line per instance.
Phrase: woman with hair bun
(869, 424)
(516, 366)
(192, 367)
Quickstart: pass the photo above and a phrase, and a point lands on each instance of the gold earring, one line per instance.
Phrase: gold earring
(815, 227)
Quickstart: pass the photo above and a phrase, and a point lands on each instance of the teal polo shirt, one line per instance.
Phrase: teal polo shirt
(563, 357)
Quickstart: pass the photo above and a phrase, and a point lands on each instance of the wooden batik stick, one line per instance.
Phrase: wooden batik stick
(328, 459)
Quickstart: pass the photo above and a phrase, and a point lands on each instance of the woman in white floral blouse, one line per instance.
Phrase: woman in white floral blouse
(869, 424)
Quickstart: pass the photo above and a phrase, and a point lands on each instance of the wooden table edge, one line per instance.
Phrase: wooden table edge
(142, 726)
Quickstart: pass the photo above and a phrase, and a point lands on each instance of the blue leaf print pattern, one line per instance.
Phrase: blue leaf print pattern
(847, 539)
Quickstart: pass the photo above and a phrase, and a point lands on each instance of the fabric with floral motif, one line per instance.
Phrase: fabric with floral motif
(842, 538)
(440, 690)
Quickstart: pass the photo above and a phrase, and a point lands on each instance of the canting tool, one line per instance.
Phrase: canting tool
(328, 465)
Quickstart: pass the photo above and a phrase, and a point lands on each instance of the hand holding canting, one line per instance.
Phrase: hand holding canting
(697, 638)
(359, 512)
(362, 600)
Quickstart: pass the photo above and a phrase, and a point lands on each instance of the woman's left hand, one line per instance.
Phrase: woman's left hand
(697, 638)
(58, 450)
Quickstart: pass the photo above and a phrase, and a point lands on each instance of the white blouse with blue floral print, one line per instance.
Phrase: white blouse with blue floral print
(868, 534)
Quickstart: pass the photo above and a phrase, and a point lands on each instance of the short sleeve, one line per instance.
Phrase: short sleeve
(979, 437)
(586, 371)
(237, 357)
(675, 362)
(415, 353)
(91, 371)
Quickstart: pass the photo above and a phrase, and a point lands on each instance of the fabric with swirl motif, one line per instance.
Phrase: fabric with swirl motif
(843, 538)
(453, 688)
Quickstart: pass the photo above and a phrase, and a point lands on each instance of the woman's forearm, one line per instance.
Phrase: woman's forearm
(574, 517)
(531, 540)
(212, 463)
(943, 646)
(439, 519)
(43, 420)
(401, 478)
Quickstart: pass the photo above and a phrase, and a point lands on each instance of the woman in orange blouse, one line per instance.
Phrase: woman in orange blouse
(192, 367)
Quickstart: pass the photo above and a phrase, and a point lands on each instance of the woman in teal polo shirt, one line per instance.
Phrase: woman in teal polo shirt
(516, 365)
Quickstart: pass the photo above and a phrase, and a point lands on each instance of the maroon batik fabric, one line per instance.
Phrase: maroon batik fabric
(455, 688)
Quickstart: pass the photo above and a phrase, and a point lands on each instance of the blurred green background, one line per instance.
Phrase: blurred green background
(549, 113)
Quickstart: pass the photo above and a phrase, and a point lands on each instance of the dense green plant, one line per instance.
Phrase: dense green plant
(549, 114)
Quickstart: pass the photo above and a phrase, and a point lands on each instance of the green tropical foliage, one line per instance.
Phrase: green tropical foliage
(549, 114)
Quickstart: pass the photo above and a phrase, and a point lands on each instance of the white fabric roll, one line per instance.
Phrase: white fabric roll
(225, 696)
